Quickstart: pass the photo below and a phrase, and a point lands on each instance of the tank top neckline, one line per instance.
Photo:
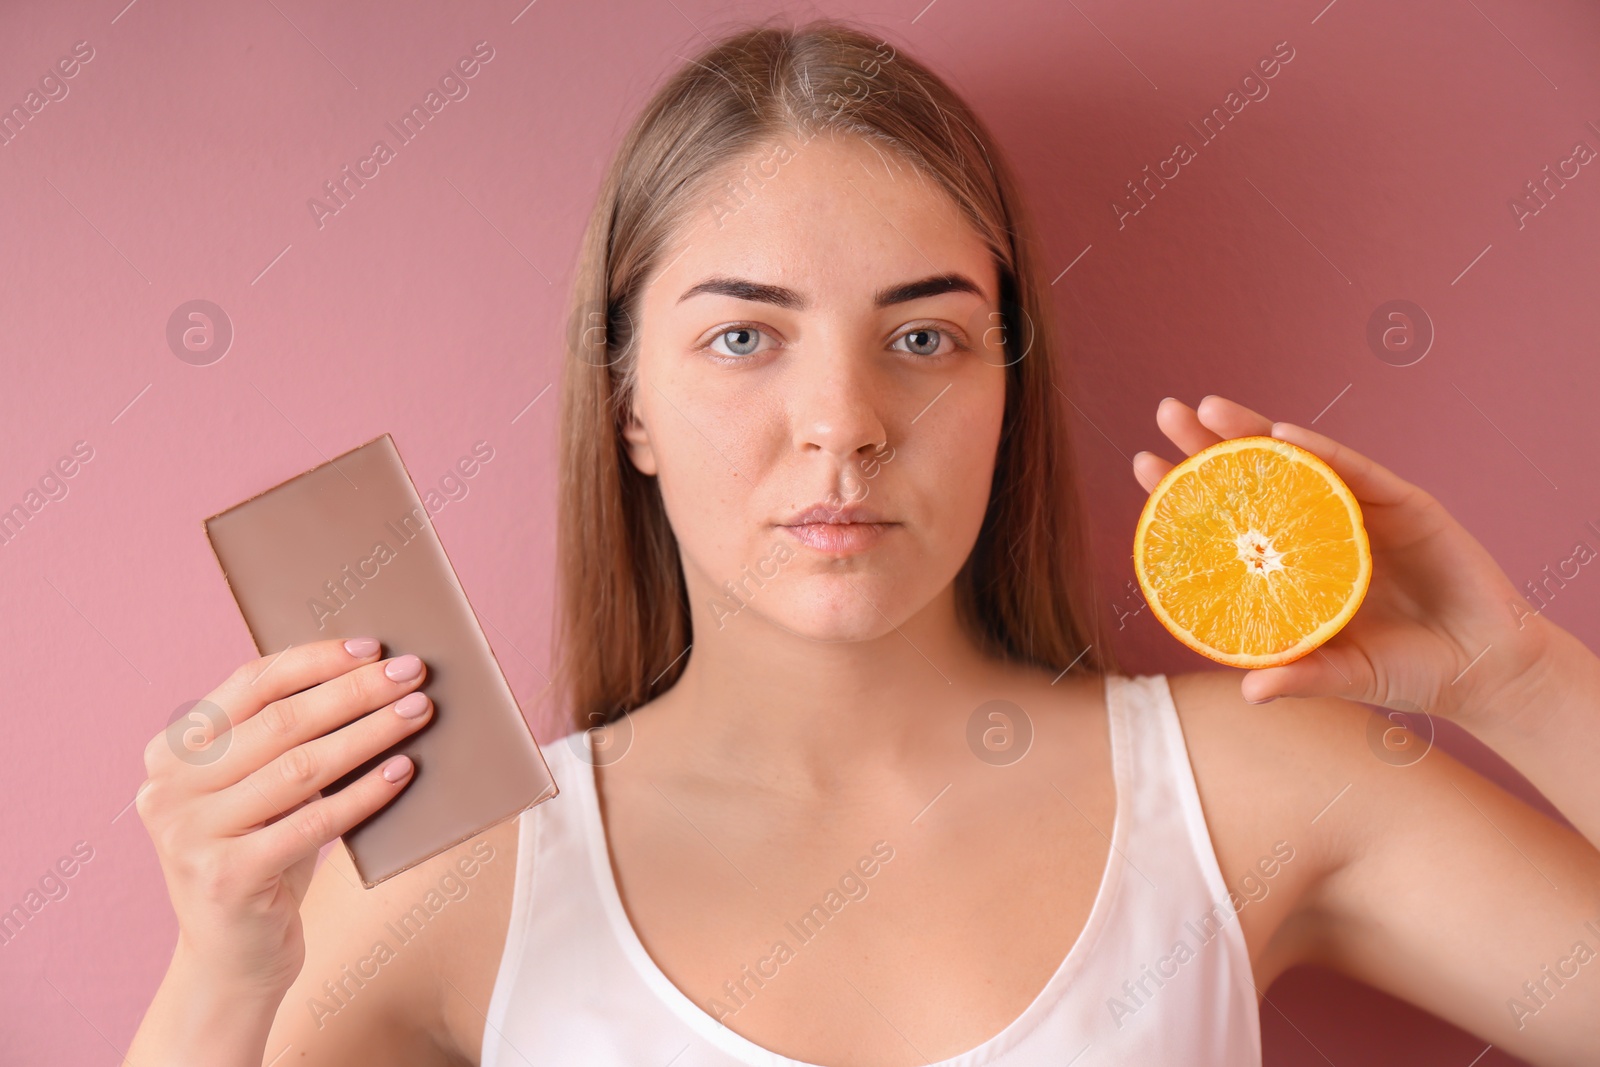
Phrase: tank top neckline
(749, 1052)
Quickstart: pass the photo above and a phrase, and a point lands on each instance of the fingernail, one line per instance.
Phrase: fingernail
(361, 647)
(411, 705)
(1263, 700)
(397, 768)
(404, 668)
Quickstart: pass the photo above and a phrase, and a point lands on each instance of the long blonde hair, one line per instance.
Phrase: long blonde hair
(1026, 590)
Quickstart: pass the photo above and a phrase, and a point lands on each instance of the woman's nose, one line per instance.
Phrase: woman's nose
(836, 406)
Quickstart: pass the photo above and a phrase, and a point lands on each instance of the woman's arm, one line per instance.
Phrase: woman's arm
(1450, 893)
(233, 808)
(1432, 883)
(1546, 723)
(1441, 630)
(331, 1015)
(211, 1022)
(1410, 872)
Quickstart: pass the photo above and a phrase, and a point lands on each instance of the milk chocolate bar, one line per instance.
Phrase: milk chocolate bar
(346, 549)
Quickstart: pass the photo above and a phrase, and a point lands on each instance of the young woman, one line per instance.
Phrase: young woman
(852, 778)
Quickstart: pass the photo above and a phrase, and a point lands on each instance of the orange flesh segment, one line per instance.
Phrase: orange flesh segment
(1253, 553)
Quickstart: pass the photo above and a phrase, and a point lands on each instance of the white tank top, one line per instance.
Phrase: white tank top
(1159, 975)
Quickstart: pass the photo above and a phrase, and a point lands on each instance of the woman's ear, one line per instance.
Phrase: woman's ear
(637, 440)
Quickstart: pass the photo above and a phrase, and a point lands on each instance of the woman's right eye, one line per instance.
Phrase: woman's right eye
(739, 341)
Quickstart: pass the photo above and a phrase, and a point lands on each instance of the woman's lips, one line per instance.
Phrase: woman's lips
(840, 538)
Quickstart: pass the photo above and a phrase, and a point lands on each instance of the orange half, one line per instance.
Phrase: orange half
(1252, 552)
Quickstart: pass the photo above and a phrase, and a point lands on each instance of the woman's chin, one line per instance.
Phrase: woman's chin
(855, 603)
(866, 612)
(835, 631)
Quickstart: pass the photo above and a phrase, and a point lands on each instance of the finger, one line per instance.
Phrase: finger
(1370, 482)
(303, 833)
(300, 774)
(1216, 419)
(1228, 419)
(259, 682)
(310, 713)
(1180, 423)
(1149, 468)
(281, 813)
(1334, 670)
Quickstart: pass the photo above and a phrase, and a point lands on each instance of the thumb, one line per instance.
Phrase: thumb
(1333, 669)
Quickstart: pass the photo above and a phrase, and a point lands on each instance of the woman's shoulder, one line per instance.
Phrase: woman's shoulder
(475, 883)
(1268, 775)
(1295, 751)
(469, 949)
(1268, 768)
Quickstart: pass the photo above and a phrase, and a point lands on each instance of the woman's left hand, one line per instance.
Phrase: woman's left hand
(1441, 630)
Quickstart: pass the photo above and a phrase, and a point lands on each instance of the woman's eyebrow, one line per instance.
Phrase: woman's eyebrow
(743, 289)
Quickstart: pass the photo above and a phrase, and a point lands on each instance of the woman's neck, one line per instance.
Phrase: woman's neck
(760, 703)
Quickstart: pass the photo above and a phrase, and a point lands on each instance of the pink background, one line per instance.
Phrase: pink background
(1381, 166)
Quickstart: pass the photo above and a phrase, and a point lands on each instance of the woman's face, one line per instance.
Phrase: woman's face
(784, 364)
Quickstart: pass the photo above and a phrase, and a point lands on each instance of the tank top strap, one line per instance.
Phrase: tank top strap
(1168, 846)
(1165, 799)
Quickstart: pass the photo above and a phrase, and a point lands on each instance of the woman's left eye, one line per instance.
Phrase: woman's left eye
(924, 341)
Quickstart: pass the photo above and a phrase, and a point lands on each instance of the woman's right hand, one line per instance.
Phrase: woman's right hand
(238, 819)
